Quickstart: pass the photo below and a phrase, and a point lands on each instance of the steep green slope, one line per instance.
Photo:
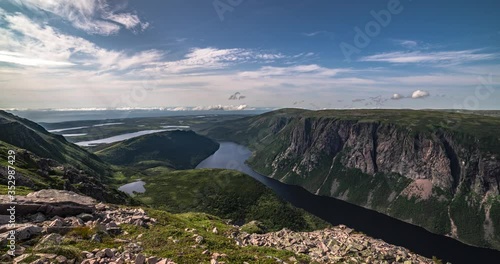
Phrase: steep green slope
(173, 149)
(439, 170)
(226, 194)
(44, 160)
(28, 135)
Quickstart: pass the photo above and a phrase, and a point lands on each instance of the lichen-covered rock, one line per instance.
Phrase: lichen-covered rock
(334, 245)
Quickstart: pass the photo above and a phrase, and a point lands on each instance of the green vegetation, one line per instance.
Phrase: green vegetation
(44, 160)
(20, 190)
(226, 194)
(171, 238)
(431, 213)
(469, 217)
(436, 260)
(495, 214)
(173, 149)
(253, 227)
(28, 135)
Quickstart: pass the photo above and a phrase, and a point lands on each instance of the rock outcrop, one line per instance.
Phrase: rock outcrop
(335, 245)
(51, 214)
(49, 203)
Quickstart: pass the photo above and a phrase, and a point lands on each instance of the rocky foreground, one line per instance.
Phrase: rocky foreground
(51, 214)
(46, 218)
(334, 245)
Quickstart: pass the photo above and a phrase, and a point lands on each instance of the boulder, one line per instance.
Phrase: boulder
(140, 259)
(49, 203)
(26, 232)
(85, 217)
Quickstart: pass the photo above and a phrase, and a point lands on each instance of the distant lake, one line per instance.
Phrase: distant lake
(118, 138)
(74, 135)
(82, 127)
(372, 223)
(132, 187)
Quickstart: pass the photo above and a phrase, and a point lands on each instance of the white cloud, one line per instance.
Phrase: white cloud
(130, 21)
(91, 16)
(211, 107)
(397, 96)
(221, 107)
(312, 34)
(213, 58)
(21, 59)
(409, 44)
(420, 94)
(453, 57)
(311, 69)
(415, 95)
(28, 43)
(317, 33)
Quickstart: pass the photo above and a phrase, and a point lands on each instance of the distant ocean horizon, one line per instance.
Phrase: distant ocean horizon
(61, 115)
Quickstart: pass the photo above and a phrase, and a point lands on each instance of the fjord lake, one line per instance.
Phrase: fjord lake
(336, 212)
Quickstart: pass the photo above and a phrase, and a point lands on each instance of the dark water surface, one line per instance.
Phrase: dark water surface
(393, 231)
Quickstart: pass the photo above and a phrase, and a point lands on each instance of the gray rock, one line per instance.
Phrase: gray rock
(50, 203)
(27, 232)
(39, 217)
(100, 254)
(114, 230)
(61, 259)
(108, 253)
(50, 240)
(4, 219)
(21, 258)
(152, 260)
(85, 217)
(96, 238)
(140, 259)
(56, 223)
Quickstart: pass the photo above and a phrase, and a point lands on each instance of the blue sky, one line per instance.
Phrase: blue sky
(242, 54)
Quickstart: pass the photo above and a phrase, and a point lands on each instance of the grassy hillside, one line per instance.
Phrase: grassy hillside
(44, 160)
(226, 194)
(28, 135)
(173, 149)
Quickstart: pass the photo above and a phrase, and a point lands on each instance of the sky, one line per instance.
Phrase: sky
(246, 54)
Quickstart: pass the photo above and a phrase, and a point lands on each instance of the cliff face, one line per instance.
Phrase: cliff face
(445, 179)
(386, 148)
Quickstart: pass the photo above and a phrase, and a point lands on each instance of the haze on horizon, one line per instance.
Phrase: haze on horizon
(249, 54)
